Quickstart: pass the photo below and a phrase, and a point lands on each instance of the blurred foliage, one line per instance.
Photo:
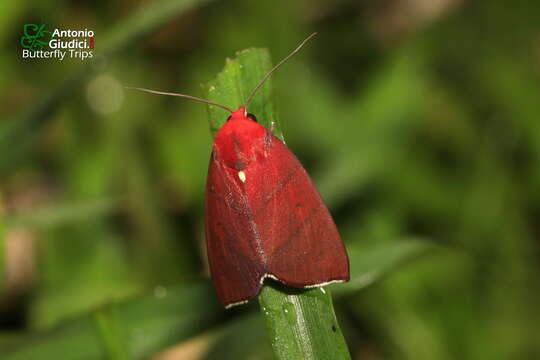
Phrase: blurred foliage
(414, 118)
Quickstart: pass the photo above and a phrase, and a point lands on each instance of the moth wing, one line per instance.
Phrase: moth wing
(301, 244)
(234, 261)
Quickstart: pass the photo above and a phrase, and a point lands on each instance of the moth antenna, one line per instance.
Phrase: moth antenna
(189, 97)
(265, 77)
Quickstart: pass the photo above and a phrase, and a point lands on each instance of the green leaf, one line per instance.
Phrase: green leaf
(301, 324)
(139, 328)
(111, 337)
(369, 264)
(233, 85)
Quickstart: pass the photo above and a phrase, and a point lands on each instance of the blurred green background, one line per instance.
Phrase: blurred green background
(415, 118)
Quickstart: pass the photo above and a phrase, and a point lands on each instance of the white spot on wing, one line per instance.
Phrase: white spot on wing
(242, 176)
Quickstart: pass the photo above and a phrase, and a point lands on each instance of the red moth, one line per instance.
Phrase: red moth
(264, 217)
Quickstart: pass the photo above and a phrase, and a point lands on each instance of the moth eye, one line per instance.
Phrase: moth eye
(229, 118)
(252, 117)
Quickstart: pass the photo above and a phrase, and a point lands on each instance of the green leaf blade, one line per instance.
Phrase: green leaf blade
(370, 264)
(233, 85)
(302, 323)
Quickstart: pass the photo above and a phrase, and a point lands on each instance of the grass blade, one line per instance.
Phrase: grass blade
(369, 264)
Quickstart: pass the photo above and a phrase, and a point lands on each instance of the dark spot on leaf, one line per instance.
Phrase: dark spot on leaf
(334, 329)
(298, 204)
